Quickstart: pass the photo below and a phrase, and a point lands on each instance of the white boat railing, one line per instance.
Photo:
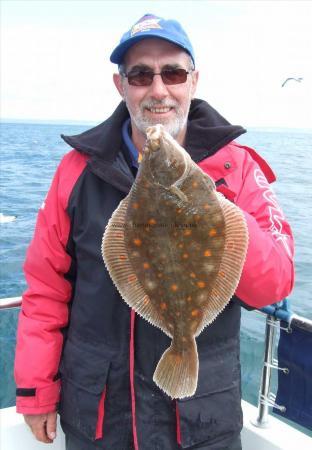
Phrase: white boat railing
(12, 302)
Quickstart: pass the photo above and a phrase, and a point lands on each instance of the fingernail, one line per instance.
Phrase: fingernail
(52, 435)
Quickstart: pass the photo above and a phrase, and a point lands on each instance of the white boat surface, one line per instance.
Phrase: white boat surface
(15, 434)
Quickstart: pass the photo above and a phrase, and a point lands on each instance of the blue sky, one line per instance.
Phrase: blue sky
(55, 57)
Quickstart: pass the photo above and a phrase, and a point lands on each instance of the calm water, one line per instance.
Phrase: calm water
(29, 156)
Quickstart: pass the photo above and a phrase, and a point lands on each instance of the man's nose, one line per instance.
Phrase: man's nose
(158, 89)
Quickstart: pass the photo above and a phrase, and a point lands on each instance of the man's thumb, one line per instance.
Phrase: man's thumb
(51, 425)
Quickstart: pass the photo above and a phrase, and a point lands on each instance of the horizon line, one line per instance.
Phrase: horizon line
(95, 122)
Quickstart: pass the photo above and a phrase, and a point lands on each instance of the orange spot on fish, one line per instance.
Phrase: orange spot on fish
(146, 265)
(137, 242)
(135, 205)
(163, 306)
(206, 206)
(192, 275)
(185, 255)
(178, 358)
(196, 217)
(201, 284)
(195, 312)
(222, 274)
(152, 221)
(207, 253)
(180, 245)
(122, 257)
(160, 275)
(187, 232)
(189, 298)
(146, 300)
(195, 184)
(140, 157)
(174, 287)
(178, 210)
(212, 232)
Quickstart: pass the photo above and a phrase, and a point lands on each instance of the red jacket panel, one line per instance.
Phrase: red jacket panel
(268, 273)
(44, 310)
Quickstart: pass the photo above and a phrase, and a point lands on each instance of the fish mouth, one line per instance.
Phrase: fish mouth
(153, 135)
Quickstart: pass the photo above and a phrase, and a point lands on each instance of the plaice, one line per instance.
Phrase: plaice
(175, 249)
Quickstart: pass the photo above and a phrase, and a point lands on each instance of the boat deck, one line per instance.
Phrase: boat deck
(15, 435)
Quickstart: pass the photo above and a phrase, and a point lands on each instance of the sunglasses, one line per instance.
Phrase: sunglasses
(168, 76)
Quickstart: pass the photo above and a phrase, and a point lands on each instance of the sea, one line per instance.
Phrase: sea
(29, 155)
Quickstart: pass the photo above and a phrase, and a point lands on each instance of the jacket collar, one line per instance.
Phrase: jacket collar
(207, 132)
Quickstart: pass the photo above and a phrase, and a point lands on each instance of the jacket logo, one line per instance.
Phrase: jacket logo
(276, 214)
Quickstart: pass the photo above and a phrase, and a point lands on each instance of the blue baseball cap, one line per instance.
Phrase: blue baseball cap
(150, 26)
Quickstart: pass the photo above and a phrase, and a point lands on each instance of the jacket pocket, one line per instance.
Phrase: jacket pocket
(214, 412)
(84, 376)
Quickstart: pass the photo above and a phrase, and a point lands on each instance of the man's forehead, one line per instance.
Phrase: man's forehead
(155, 51)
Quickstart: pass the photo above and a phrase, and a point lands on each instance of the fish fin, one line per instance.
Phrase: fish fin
(117, 262)
(232, 262)
(176, 191)
(177, 371)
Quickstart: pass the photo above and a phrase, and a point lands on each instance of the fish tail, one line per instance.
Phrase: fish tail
(177, 371)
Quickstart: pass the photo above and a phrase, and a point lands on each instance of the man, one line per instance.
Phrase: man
(75, 332)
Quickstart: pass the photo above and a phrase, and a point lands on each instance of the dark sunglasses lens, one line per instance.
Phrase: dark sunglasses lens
(174, 76)
(140, 78)
(145, 78)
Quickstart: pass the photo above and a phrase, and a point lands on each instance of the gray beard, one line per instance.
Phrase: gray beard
(173, 127)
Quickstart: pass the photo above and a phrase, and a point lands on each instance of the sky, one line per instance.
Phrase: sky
(55, 64)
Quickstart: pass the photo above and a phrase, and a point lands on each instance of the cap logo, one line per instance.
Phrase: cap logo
(146, 25)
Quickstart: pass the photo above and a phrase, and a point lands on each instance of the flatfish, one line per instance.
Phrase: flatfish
(175, 249)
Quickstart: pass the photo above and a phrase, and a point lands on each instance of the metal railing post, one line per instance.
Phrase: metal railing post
(264, 393)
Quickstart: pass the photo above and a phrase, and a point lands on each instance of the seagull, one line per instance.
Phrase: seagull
(295, 79)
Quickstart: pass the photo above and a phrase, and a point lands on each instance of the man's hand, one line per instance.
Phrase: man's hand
(43, 426)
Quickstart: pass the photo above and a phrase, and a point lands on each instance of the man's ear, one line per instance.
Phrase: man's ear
(118, 83)
(195, 76)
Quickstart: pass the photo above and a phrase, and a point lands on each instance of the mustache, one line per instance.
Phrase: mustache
(161, 103)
